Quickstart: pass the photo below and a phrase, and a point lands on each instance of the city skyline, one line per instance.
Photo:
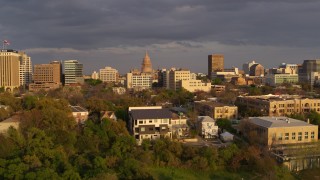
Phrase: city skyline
(179, 34)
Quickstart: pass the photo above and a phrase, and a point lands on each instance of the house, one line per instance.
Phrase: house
(150, 122)
(207, 127)
(79, 113)
(179, 123)
(13, 121)
(108, 115)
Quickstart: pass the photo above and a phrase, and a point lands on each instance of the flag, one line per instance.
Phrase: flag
(6, 42)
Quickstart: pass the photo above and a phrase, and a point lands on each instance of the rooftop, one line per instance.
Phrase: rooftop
(151, 114)
(280, 121)
(78, 109)
(213, 104)
(205, 119)
(271, 97)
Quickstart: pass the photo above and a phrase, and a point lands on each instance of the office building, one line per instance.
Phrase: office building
(73, 72)
(278, 79)
(15, 69)
(46, 76)
(108, 75)
(139, 80)
(215, 63)
(256, 70)
(246, 67)
(177, 75)
(25, 72)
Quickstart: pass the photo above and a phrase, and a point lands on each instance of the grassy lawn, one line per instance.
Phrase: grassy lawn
(175, 173)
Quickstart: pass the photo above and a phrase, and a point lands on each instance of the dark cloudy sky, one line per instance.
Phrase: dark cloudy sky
(179, 33)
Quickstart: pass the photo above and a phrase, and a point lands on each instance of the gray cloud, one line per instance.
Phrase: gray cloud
(188, 26)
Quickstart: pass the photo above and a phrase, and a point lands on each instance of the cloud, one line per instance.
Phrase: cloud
(98, 28)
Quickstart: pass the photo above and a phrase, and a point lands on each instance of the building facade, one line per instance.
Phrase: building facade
(215, 63)
(256, 70)
(279, 105)
(73, 72)
(139, 80)
(25, 72)
(108, 75)
(15, 69)
(217, 110)
(207, 127)
(150, 122)
(46, 76)
(278, 79)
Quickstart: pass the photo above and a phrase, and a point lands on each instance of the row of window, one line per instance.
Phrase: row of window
(150, 121)
(293, 136)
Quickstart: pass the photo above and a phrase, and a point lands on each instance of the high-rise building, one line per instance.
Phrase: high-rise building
(108, 74)
(139, 80)
(146, 64)
(246, 66)
(46, 76)
(309, 67)
(256, 70)
(47, 73)
(25, 72)
(215, 63)
(73, 72)
(15, 69)
(175, 76)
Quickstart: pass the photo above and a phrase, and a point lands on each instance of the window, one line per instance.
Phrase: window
(312, 135)
(150, 121)
(299, 136)
(293, 136)
(306, 135)
(165, 121)
(286, 136)
(142, 129)
(280, 137)
(140, 122)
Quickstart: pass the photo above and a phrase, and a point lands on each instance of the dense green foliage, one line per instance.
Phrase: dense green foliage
(50, 145)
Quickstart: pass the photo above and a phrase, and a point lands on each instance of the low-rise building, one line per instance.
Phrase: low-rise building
(279, 105)
(207, 127)
(13, 121)
(276, 79)
(151, 122)
(282, 130)
(108, 115)
(79, 113)
(195, 85)
(216, 110)
(292, 142)
(180, 127)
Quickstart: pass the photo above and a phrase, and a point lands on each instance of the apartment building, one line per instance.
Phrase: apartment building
(279, 105)
(150, 122)
(216, 110)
